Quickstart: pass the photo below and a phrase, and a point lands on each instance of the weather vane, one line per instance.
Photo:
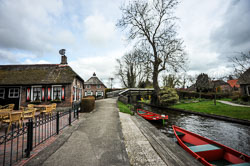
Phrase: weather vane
(62, 51)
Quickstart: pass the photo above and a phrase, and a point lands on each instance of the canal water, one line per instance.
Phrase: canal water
(233, 135)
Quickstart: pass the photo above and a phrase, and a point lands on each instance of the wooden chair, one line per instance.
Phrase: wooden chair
(30, 105)
(53, 107)
(4, 114)
(11, 106)
(48, 110)
(13, 118)
(29, 113)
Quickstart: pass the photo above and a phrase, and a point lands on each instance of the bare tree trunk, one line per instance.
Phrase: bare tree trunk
(154, 97)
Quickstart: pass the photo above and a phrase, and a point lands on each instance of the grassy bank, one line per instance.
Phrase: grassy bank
(218, 109)
(125, 108)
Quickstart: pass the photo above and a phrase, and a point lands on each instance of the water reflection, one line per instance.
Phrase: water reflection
(233, 135)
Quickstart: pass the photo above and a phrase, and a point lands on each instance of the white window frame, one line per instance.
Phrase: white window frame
(89, 93)
(14, 93)
(247, 88)
(52, 96)
(3, 94)
(75, 93)
(80, 94)
(32, 90)
(99, 92)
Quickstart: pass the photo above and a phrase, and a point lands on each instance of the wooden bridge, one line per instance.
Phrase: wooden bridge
(131, 92)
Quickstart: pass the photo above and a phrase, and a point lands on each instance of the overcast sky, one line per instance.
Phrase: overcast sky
(33, 31)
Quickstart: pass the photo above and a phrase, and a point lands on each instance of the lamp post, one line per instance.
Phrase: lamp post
(111, 80)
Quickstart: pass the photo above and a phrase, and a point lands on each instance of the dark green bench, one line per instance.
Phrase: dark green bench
(179, 133)
(241, 164)
(202, 148)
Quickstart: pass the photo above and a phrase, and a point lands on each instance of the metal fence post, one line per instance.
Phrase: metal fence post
(74, 110)
(70, 116)
(57, 123)
(77, 112)
(29, 137)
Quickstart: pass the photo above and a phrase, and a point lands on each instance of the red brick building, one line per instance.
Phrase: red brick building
(40, 84)
(94, 87)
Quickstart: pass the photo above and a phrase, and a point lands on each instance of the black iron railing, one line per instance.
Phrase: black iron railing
(20, 141)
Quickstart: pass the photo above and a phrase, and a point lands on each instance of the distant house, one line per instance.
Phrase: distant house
(221, 86)
(94, 87)
(244, 82)
(40, 84)
(234, 85)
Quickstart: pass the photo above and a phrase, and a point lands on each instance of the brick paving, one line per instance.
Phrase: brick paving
(44, 133)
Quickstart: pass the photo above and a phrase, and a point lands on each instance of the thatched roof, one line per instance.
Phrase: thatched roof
(36, 74)
(245, 77)
(94, 80)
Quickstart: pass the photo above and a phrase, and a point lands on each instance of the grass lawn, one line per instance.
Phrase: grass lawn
(125, 108)
(218, 109)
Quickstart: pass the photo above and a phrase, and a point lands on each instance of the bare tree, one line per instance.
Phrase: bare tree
(241, 62)
(171, 80)
(152, 25)
(131, 69)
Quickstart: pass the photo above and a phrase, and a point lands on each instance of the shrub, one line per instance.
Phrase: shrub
(245, 98)
(235, 97)
(168, 96)
(88, 104)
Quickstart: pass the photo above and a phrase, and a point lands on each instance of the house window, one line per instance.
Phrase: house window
(80, 94)
(88, 93)
(57, 93)
(13, 92)
(2, 93)
(75, 93)
(37, 93)
(87, 86)
(99, 93)
(98, 86)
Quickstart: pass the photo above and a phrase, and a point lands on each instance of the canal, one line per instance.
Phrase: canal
(233, 135)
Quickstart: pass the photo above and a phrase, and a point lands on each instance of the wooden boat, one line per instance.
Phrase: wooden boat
(150, 115)
(209, 152)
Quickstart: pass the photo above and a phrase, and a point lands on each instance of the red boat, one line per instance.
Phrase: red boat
(209, 152)
(150, 115)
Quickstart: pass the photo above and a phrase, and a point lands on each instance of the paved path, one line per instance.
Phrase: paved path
(232, 104)
(139, 149)
(96, 141)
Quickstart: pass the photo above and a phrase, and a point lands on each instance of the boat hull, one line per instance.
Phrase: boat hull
(208, 151)
(150, 115)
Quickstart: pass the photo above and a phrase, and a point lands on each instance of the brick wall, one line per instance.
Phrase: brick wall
(94, 89)
(67, 102)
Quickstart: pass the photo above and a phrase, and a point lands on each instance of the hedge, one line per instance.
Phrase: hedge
(209, 95)
(88, 104)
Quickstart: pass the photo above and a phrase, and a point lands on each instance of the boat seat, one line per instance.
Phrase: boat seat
(241, 164)
(179, 133)
(202, 148)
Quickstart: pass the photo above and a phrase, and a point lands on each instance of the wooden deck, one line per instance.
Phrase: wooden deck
(169, 151)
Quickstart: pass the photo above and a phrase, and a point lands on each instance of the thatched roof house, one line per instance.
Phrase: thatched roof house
(244, 82)
(40, 83)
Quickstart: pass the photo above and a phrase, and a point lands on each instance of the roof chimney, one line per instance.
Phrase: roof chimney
(94, 74)
(63, 58)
